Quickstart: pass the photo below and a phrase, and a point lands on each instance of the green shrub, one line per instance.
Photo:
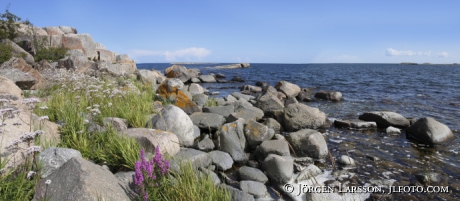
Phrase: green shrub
(211, 102)
(8, 25)
(191, 185)
(5, 53)
(51, 53)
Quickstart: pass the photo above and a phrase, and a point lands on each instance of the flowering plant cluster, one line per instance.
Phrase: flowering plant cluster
(148, 173)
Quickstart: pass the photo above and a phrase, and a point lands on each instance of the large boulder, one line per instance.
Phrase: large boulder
(207, 78)
(288, 88)
(225, 111)
(79, 179)
(279, 169)
(196, 158)
(150, 139)
(255, 133)
(173, 90)
(245, 111)
(19, 52)
(308, 142)
(147, 77)
(26, 29)
(253, 174)
(269, 103)
(299, 116)
(385, 119)
(83, 42)
(21, 73)
(232, 140)
(305, 95)
(200, 100)
(207, 121)
(195, 89)
(273, 124)
(116, 123)
(68, 30)
(107, 55)
(329, 95)
(53, 30)
(430, 131)
(175, 120)
(222, 160)
(9, 88)
(80, 64)
(177, 71)
(278, 147)
(53, 158)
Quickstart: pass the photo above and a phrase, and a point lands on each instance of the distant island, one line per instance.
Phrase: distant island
(426, 63)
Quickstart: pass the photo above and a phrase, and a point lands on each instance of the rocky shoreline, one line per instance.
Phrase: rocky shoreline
(253, 142)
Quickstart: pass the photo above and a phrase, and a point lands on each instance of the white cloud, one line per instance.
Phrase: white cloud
(392, 52)
(182, 54)
(442, 54)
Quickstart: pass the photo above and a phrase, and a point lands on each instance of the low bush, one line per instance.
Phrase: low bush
(5, 53)
(51, 53)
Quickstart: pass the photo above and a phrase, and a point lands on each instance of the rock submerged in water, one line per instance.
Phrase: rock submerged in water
(354, 123)
(385, 119)
(430, 131)
(329, 95)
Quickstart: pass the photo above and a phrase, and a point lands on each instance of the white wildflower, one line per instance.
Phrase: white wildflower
(44, 107)
(30, 101)
(48, 182)
(27, 136)
(30, 174)
(33, 149)
(13, 143)
(43, 118)
(96, 106)
(86, 121)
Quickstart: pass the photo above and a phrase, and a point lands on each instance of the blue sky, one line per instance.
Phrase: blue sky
(261, 31)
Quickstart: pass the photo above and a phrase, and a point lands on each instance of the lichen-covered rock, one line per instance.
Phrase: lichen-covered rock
(232, 140)
(174, 90)
(255, 133)
(177, 71)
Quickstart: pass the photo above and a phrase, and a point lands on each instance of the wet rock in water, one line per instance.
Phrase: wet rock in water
(278, 147)
(354, 123)
(430, 131)
(85, 181)
(385, 119)
(221, 110)
(222, 160)
(254, 188)
(207, 78)
(200, 99)
(116, 123)
(207, 121)
(196, 158)
(250, 88)
(279, 169)
(232, 140)
(308, 172)
(288, 88)
(53, 158)
(329, 95)
(206, 144)
(299, 116)
(429, 178)
(220, 75)
(305, 95)
(237, 194)
(255, 133)
(393, 131)
(150, 139)
(346, 161)
(253, 174)
(175, 120)
(308, 142)
(237, 79)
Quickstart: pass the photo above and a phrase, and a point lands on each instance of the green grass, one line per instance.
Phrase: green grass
(211, 102)
(189, 185)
